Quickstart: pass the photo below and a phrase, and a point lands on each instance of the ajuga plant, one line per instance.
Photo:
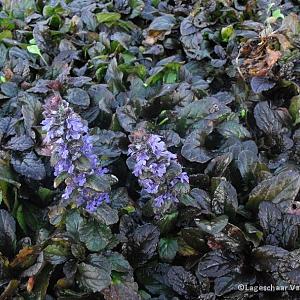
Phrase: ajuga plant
(214, 84)
(86, 181)
(157, 169)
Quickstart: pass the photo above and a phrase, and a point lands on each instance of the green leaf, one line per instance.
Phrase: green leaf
(96, 236)
(170, 77)
(281, 187)
(57, 253)
(49, 11)
(45, 194)
(34, 49)
(168, 222)
(21, 218)
(93, 278)
(82, 163)
(226, 33)
(107, 215)
(5, 34)
(139, 70)
(243, 113)
(277, 14)
(128, 58)
(108, 17)
(209, 108)
(73, 222)
(155, 2)
(167, 249)
(19, 9)
(126, 25)
(55, 21)
(168, 74)
(7, 23)
(118, 262)
(233, 129)
(98, 183)
(5, 195)
(56, 215)
(294, 109)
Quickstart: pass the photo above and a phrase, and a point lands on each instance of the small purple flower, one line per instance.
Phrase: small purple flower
(156, 144)
(183, 178)
(47, 124)
(75, 123)
(149, 185)
(62, 151)
(158, 169)
(63, 165)
(101, 171)
(152, 161)
(80, 179)
(140, 164)
(160, 200)
(49, 137)
(68, 191)
(94, 204)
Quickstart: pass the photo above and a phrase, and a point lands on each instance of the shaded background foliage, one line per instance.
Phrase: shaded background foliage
(219, 81)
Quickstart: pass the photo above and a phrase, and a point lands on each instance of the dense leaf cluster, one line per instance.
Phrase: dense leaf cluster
(213, 86)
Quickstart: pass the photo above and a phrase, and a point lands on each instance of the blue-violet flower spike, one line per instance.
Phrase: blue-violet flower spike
(158, 171)
(72, 154)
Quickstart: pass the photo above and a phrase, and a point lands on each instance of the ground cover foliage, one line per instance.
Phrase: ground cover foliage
(207, 91)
